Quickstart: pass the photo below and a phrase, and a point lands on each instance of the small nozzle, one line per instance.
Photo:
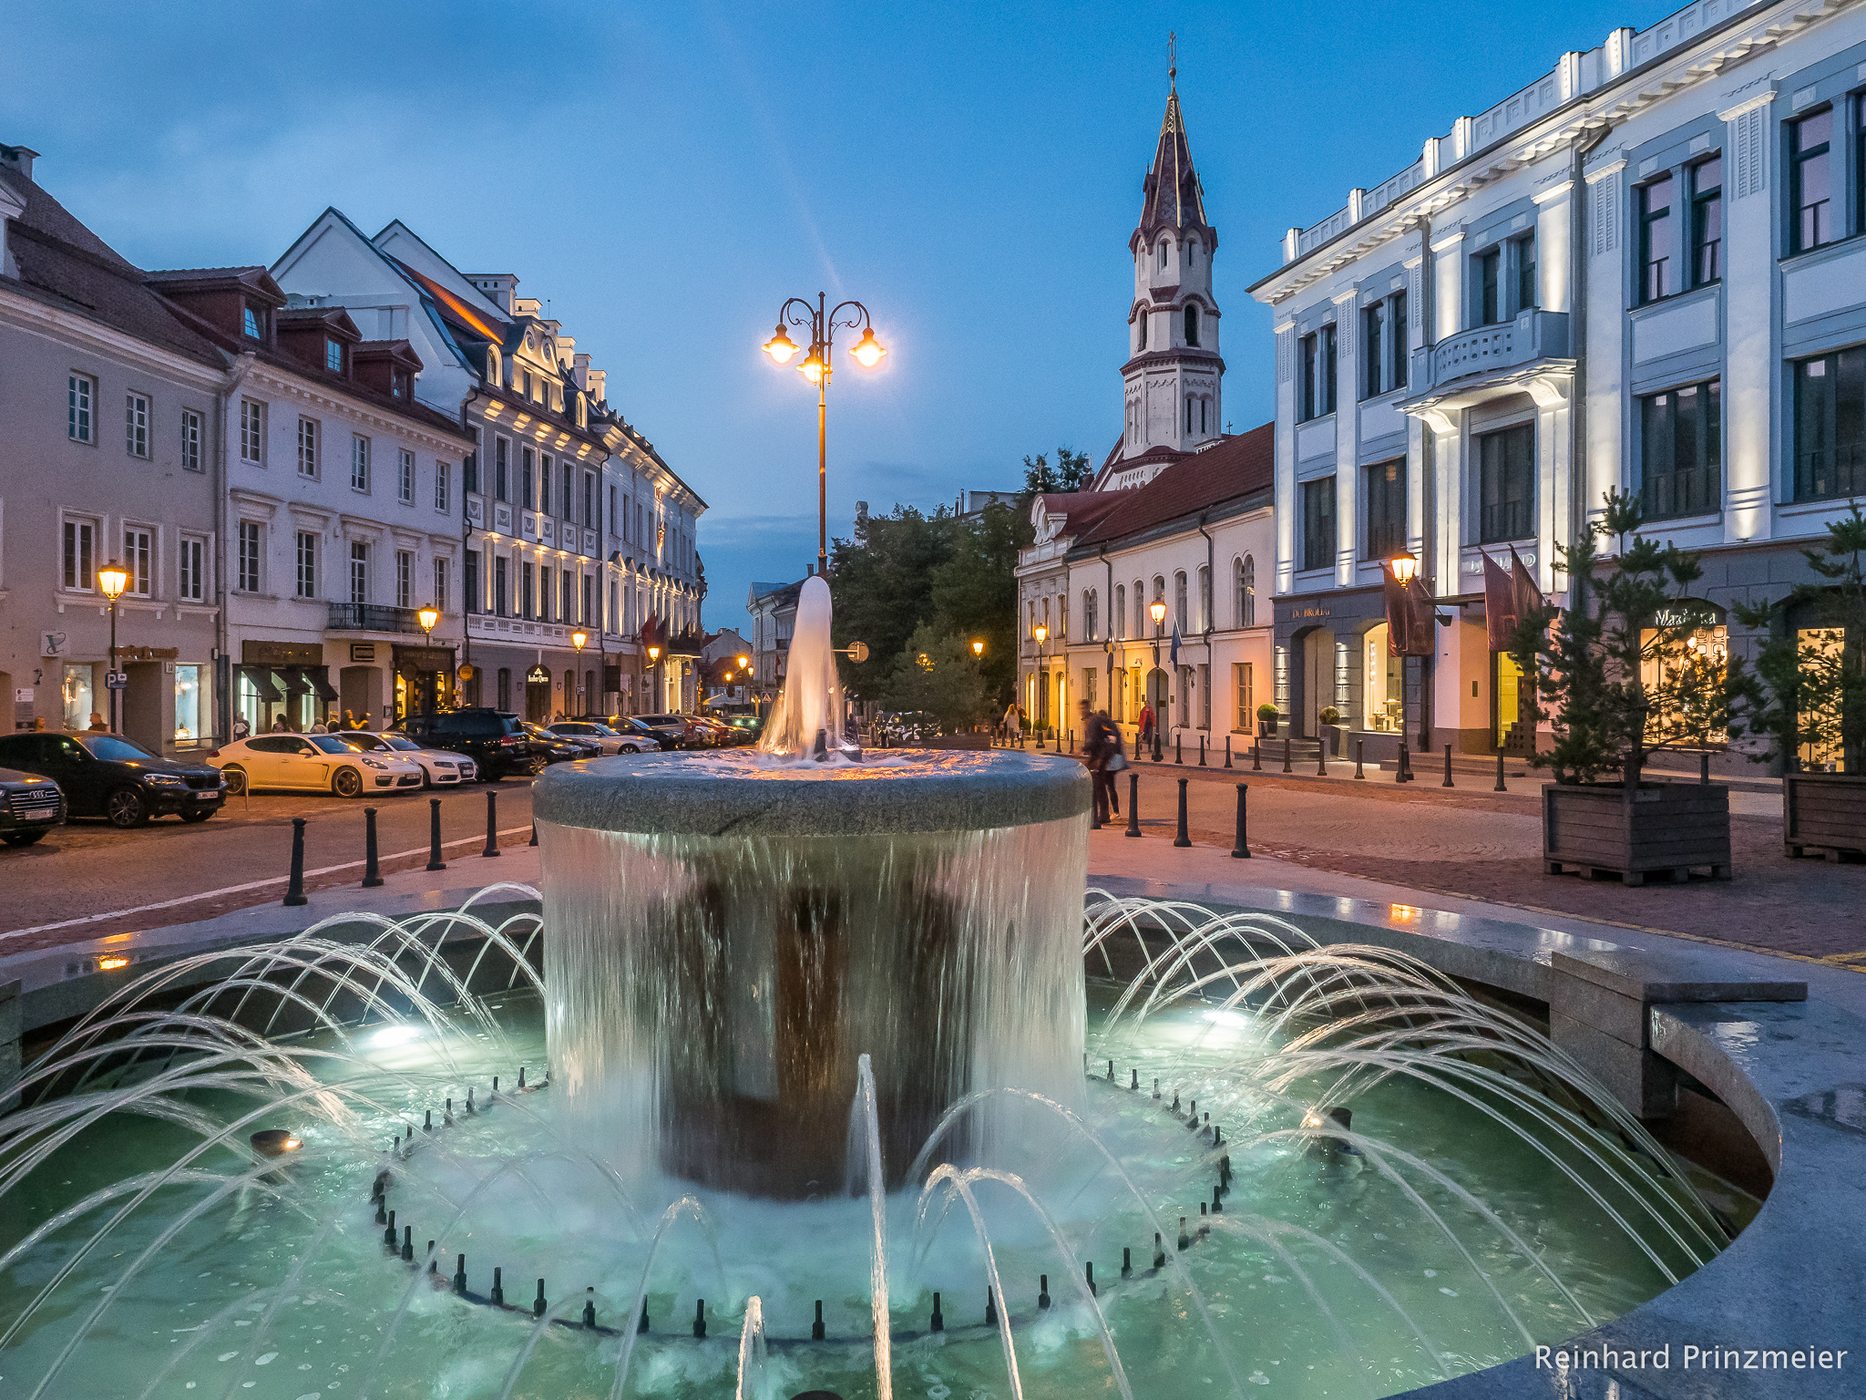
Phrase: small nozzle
(1088, 1272)
(589, 1307)
(1159, 1251)
(699, 1317)
(1127, 1261)
(938, 1324)
(991, 1308)
(1185, 1240)
(538, 1303)
(1043, 1290)
(460, 1275)
(498, 1288)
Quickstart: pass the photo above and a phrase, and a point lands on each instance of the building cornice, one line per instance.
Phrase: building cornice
(327, 399)
(69, 327)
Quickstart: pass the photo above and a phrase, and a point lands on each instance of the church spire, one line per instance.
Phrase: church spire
(1172, 196)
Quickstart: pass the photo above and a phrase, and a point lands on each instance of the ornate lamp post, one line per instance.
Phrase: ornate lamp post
(429, 618)
(867, 352)
(1157, 611)
(1405, 571)
(580, 639)
(112, 579)
(1042, 634)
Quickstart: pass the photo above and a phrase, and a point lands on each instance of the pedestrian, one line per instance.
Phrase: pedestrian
(241, 728)
(1146, 725)
(1013, 723)
(38, 724)
(1096, 749)
(279, 726)
(97, 724)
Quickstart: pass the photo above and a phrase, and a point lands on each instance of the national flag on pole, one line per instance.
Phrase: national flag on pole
(1501, 604)
(1174, 653)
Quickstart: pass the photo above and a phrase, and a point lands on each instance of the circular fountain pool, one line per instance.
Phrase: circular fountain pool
(1484, 1198)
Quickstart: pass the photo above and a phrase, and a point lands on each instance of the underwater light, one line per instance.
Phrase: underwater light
(398, 1034)
(275, 1142)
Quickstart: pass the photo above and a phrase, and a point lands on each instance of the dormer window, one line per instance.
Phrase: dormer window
(333, 356)
(398, 383)
(250, 324)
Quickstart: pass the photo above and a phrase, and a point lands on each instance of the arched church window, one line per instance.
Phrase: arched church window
(1192, 252)
(1192, 325)
(1180, 617)
(1118, 618)
(1143, 330)
(1162, 252)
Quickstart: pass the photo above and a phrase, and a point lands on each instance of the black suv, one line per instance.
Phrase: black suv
(494, 741)
(30, 806)
(105, 775)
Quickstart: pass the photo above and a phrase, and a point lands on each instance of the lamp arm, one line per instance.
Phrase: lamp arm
(854, 322)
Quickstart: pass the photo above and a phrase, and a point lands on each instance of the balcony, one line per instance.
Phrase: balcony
(1533, 336)
(371, 617)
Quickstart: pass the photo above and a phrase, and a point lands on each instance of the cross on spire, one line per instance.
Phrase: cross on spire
(1172, 58)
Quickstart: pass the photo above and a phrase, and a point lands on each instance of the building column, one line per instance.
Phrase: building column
(1750, 368)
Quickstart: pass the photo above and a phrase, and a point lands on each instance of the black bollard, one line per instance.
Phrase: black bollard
(1447, 782)
(1218, 1200)
(534, 834)
(699, 1318)
(1501, 785)
(538, 1303)
(1159, 1251)
(589, 1308)
(1133, 804)
(1088, 1272)
(372, 863)
(427, 1122)
(1133, 1079)
(460, 1275)
(1179, 748)
(1180, 838)
(1286, 767)
(1256, 756)
(1201, 750)
(492, 825)
(1156, 1088)
(1400, 773)
(1095, 809)
(1240, 850)
(1321, 756)
(447, 1114)
(521, 1076)
(1043, 1292)
(938, 1320)
(1358, 746)
(1227, 750)
(498, 1288)
(408, 1244)
(295, 886)
(434, 835)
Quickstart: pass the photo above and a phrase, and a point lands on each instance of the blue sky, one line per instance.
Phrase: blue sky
(664, 175)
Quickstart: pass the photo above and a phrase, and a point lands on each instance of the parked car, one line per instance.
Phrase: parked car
(751, 726)
(605, 738)
(106, 775)
(494, 740)
(30, 806)
(439, 767)
(680, 728)
(559, 748)
(310, 763)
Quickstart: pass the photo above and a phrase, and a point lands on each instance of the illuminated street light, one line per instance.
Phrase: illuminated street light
(112, 579)
(1404, 568)
(978, 646)
(429, 618)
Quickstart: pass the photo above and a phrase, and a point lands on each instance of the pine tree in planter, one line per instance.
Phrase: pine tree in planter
(1806, 694)
(1620, 672)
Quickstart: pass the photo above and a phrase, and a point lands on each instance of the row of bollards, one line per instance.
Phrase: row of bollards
(372, 855)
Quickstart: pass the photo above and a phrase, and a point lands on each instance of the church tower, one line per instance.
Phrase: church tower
(1174, 375)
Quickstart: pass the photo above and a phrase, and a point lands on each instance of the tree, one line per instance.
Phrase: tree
(1622, 670)
(938, 675)
(882, 583)
(973, 593)
(1071, 472)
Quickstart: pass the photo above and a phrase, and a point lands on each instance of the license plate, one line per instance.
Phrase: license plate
(39, 816)
(207, 797)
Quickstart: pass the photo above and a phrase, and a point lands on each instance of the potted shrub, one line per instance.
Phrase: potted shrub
(1266, 719)
(1806, 695)
(1616, 676)
(1330, 718)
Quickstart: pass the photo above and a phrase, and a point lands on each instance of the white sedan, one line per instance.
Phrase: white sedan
(439, 767)
(310, 763)
(611, 741)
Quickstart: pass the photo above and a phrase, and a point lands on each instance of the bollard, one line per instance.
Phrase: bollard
(1095, 804)
(1359, 746)
(434, 835)
(641, 1327)
(295, 886)
(1133, 804)
(1256, 756)
(1180, 838)
(1227, 750)
(1127, 1260)
(1159, 1251)
(1241, 851)
(1399, 766)
(1447, 782)
(1703, 766)
(1088, 1273)
(1501, 785)
(492, 825)
(1201, 748)
(816, 1327)
(1179, 748)
(534, 834)
(1321, 756)
(991, 1308)
(1286, 767)
(372, 864)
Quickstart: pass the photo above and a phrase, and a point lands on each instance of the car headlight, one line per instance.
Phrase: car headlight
(164, 780)
(372, 763)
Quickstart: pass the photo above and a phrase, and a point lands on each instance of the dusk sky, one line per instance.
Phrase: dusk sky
(663, 176)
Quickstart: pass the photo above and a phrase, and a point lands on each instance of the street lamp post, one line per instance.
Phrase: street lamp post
(580, 639)
(429, 618)
(867, 353)
(1405, 571)
(112, 579)
(654, 656)
(1042, 633)
(1157, 611)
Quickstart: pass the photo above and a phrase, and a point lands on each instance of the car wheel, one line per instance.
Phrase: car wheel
(21, 838)
(236, 780)
(347, 782)
(126, 808)
(196, 815)
(536, 766)
(426, 781)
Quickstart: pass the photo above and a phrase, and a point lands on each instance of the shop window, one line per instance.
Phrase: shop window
(1381, 680)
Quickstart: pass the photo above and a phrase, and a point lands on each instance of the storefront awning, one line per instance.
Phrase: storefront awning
(320, 682)
(260, 677)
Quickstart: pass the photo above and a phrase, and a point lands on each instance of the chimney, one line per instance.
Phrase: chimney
(18, 158)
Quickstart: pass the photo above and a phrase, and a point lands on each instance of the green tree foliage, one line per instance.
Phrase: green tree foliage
(1070, 473)
(936, 673)
(1808, 702)
(1616, 672)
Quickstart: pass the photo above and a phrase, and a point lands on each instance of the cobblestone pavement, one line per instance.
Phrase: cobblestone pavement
(1483, 845)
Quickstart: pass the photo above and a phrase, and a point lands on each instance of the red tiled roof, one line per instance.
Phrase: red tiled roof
(1231, 469)
(106, 289)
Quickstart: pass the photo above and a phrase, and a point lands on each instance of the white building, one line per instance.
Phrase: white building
(1643, 270)
(573, 525)
(1178, 512)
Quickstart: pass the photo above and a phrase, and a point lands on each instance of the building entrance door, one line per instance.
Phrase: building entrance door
(1317, 688)
(1515, 725)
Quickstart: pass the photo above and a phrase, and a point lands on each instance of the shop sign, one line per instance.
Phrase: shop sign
(415, 659)
(537, 675)
(281, 654)
(52, 643)
(362, 651)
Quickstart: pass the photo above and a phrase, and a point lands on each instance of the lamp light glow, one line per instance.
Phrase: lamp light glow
(429, 618)
(1157, 608)
(579, 639)
(868, 351)
(978, 646)
(814, 368)
(112, 579)
(1404, 568)
(781, 348)
(1041, 632)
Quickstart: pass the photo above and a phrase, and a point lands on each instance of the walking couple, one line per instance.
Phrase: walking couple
(1106, 754)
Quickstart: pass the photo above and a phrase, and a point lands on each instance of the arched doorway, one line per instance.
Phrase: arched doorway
(1157, 694)
(1311, 680)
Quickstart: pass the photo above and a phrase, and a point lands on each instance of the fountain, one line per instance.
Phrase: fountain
(777, 1086)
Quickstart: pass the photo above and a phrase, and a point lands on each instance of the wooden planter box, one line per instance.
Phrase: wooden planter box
(1824, 812)
(1667, 829)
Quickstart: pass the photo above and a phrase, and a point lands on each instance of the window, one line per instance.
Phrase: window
(139, 559)
(1811, 180)
(1205, 598)
(136, 425)
(253, 432)
(1681, 455)
(405, 477)
(404, 578)
(1244, 592)
(528, 599)
(1192, 325)
(469, 469)
(1506, 484)
(307, 447)
(589, 498)
(249, 322)
(80, 556)
(307, 551)
(475, 600)
(1383, 346)
(333, 355)
(443, 477)
(528, 475)
(1140, 327)
(1384, 486)
(1117, 617)
(1830, 426)
(191, 570)
(1089, 618)
(1181, 617)
(1655, 239)
(1705, 182)
(501, 586)
(1859, 160)
(1162, 252)
(502, 468)
(1318, 523)
(1140, 609)
(544, 487)
(359, 462)
(359, 571)
(248, 576)
(80, 406)
(1318, 373)
(1243, 694)
(191, 460)
(1489, 287)
(1523, 256)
